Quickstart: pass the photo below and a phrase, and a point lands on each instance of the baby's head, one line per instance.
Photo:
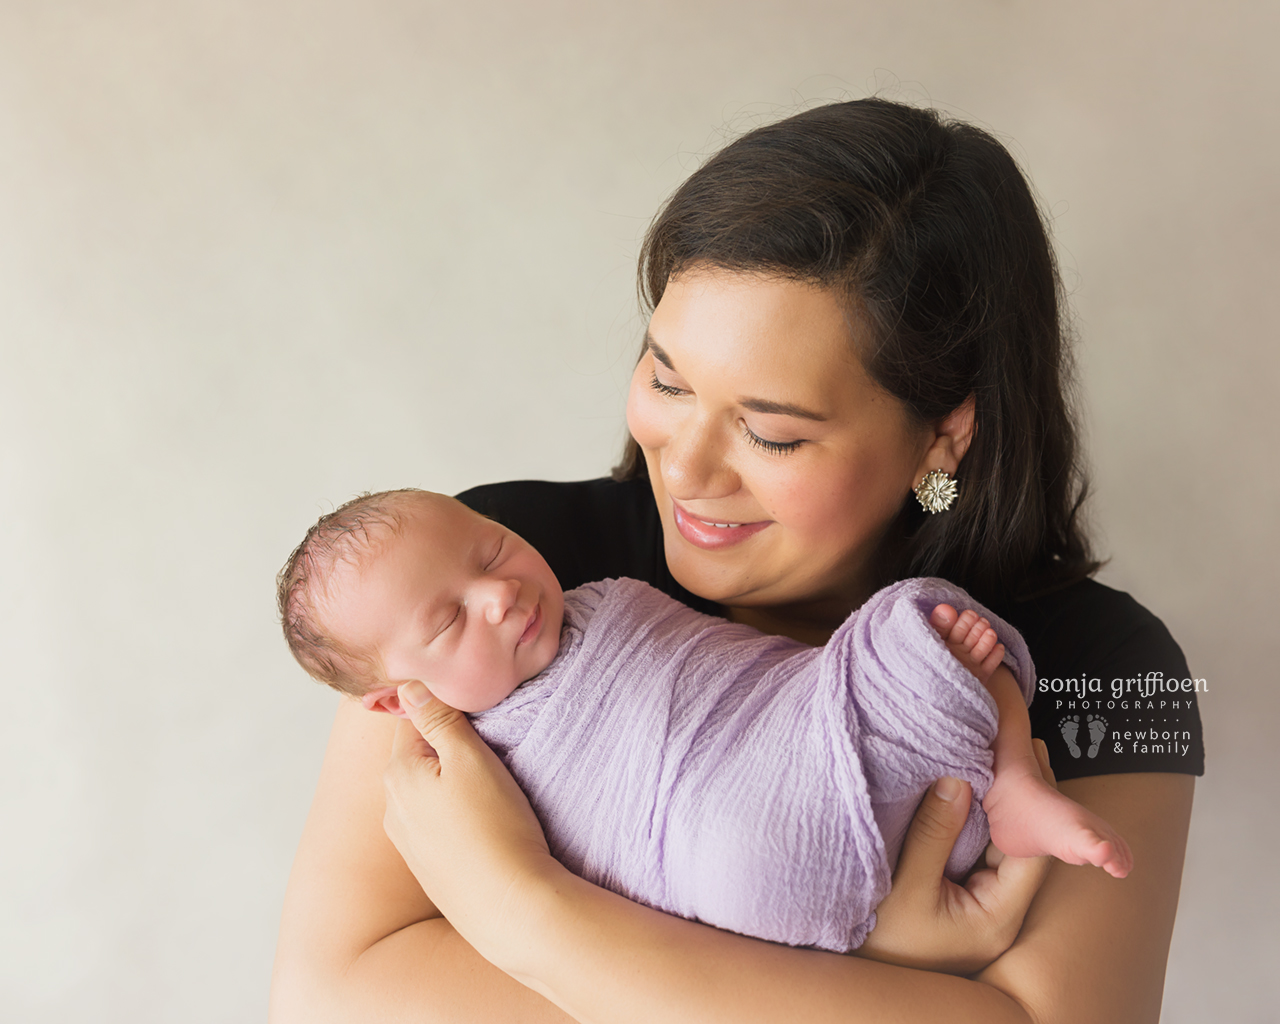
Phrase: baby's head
(408, 585)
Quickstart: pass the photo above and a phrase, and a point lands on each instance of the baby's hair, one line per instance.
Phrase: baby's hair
(345, 535)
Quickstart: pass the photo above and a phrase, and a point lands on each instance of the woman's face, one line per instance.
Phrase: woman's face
(776, 462)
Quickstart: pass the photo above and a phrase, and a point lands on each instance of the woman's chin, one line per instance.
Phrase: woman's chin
(700, 575)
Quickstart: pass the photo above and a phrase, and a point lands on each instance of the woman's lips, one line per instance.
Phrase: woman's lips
(531, 630)
(712, 536)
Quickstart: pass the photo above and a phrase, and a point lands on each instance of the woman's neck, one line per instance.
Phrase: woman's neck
(809, 623)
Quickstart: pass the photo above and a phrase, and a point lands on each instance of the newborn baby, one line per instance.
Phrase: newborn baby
(689, 763)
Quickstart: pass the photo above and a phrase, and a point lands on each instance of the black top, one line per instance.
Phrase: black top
(1113, 692)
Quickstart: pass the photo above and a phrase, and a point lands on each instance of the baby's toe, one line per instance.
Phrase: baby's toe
(943, 620)
(985, 643)
(964, 626)
(1111, 853)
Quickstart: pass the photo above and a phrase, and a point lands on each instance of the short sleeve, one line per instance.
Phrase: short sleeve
(588, 530)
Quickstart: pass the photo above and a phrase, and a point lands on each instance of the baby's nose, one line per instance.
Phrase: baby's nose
(502, 594)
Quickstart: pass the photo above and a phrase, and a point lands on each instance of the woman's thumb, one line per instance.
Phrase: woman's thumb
(435, 721)
(937, 824)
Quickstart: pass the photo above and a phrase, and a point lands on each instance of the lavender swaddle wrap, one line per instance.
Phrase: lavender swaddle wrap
(748, 781)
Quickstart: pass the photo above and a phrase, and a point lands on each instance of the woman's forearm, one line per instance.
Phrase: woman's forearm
(361, 943)
(663, 969)
(1093, 948)
(606, 960)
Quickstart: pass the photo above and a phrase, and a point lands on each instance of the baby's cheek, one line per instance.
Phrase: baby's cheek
(477, 694)
(456, 693)
(547, 649)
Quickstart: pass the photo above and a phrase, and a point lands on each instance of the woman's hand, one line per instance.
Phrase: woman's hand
(929, 922)
(463, 826)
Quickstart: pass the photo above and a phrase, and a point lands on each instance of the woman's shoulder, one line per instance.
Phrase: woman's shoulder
(539, 500)
(1089, 613)
(587, 529)
(1114, 693)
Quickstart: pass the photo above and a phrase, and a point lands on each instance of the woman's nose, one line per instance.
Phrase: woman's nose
(497, 597)
(694, 463)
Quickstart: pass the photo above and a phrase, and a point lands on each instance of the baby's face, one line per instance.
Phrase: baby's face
(453, 600)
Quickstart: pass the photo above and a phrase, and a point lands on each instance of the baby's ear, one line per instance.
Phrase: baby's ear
(385, 699)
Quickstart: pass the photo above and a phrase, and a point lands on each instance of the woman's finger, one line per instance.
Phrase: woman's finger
(440, 767)
(408, 742)
(1005, 896)
(1008, 891)
(933, 833)
(1042, 757)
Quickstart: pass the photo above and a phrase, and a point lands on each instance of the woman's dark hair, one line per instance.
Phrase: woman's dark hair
(928, 231)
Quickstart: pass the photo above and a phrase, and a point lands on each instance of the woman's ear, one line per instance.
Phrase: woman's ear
(385, 698)
(951, 439)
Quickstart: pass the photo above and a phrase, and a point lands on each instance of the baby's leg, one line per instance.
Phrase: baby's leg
(1028, 817)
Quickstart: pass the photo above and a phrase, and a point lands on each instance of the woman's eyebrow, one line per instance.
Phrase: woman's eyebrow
(754, 404)
(659, 353)
(780, 409)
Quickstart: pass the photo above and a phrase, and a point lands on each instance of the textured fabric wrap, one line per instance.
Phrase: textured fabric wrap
(747, 781)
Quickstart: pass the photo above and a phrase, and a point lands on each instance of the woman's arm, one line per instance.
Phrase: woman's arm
(1093, 948)
(360, 942)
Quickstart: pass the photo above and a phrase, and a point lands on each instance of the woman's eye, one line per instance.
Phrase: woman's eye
(664, 389)
(774, 447)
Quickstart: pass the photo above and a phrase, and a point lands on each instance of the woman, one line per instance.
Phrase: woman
(843, 302)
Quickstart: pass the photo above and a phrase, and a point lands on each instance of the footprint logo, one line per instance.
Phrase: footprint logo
(1097, 733)
(1070, 729)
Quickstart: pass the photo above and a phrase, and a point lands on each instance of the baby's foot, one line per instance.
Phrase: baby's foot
(1029, 818)
(1070, 728)
(971, 639)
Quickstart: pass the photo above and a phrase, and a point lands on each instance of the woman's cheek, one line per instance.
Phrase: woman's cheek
(821, 498)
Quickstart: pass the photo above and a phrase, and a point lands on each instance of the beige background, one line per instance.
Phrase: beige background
(258, 256)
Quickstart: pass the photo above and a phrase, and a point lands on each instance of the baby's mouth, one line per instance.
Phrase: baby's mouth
(534, 625)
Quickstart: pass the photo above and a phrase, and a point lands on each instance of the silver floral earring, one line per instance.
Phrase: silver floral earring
(936, 491)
